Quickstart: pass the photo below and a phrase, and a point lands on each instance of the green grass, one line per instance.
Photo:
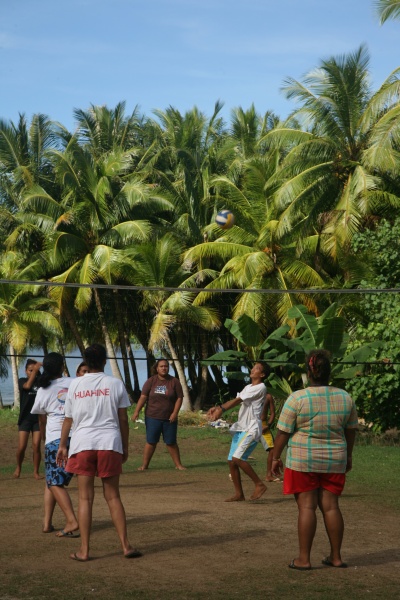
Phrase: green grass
(375, 469)
(205, 448)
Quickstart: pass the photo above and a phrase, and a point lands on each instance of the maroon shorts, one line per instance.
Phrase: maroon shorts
(295, 482)
(103, 463)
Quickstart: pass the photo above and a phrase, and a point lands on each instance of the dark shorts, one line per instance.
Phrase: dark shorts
(29, 424)
(295, 482)
(103, 463)
(55, 475)
(156, 427)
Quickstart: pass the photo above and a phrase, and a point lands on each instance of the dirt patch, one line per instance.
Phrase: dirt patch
(194, 544)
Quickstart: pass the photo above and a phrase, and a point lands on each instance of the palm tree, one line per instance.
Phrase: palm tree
(24, 315)
(87, 229)
(331, 179)
(187, 151)
(24, 162)
(387, 9)
(159, 265)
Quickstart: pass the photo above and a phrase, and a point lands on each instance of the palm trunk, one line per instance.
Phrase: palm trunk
(136, 384)
(121, 329)
(181, 374)
(44, 345)
(69, 317)
(107, 339)
(202, 393)
(14, 370)
(62, 351)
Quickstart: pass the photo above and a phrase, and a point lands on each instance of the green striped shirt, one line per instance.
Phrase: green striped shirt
(316, 418)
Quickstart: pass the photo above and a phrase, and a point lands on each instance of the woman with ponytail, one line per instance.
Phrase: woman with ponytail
(318, 424)
(49, 405)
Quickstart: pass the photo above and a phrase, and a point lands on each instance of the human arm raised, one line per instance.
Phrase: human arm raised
(32, 376)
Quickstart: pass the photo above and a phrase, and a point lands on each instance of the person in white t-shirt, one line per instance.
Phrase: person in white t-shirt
(49, 405)
(97, 405)
(246, 431)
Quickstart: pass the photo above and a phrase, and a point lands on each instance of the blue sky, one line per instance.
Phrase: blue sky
(57, 55)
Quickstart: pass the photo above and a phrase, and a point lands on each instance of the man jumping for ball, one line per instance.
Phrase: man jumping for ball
(246, 431)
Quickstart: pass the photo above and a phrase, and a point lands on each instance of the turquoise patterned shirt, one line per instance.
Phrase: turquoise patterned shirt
(316, 418)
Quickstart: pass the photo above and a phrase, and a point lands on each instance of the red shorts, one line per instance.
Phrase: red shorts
(295, 482)
(103, 463)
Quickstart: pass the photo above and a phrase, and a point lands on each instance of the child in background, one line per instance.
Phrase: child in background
(28, 423)
(267, 439)
(246, 431)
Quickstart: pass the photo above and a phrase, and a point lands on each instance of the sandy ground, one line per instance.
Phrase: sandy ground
(195, 545)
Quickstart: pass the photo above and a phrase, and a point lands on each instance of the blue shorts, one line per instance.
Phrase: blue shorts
(156, 427)
(55, 475)
(242, 445)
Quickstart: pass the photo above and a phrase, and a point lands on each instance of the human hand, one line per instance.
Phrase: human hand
(134, 416)
(349, 464)
(277, 467)
(62, 456)
(173, 418)
(214, 413)
(125, 454)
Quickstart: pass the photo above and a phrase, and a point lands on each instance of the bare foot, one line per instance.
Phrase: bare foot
(235, 499)
(142, 468)
(180, 468)
(37, 476)
(17, 473)
(260, 489)
(79, 557)
(48, 529)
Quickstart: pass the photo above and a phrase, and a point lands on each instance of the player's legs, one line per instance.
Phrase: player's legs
(49, 506)
(260, 488)
(269, 476)
(307, 503)
(117, 511)
(148, 452)
(153, 434)
(334, 525)
(169, 432)
(63, 500)
(173, 449)
(267, 442)
(245, 445)
(23, 437)
(85, 507)
(57, 478)
(237, 482)
(37, 454)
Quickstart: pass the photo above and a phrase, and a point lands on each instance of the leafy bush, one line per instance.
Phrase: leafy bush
(377, 390)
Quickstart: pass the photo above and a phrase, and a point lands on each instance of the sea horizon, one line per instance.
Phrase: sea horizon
(72, 360)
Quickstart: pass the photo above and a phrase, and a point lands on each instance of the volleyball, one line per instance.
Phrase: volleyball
(225, 219)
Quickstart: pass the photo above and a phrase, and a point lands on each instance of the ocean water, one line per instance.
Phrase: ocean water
(6, 385)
